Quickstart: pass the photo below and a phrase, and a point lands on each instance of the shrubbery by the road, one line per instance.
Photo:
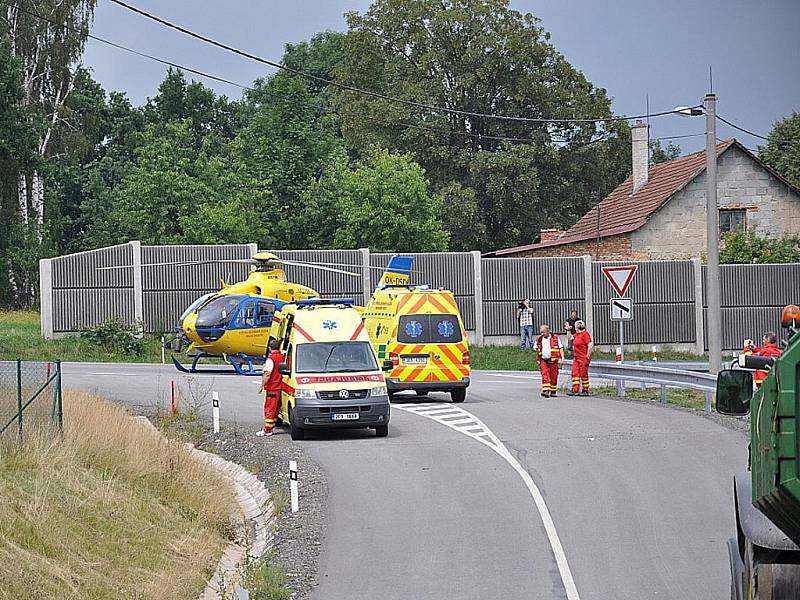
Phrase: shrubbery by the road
(117, 337)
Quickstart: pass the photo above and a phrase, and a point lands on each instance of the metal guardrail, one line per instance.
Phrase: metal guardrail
(653, 375)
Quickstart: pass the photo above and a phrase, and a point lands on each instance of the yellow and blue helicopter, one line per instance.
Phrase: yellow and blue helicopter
(236, 322)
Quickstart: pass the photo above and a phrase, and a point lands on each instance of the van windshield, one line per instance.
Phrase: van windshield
(429, 329)
(335, 357)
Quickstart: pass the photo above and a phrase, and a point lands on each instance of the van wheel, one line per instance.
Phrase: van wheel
(381, 431)
(295, 431)
(458, 394)
(421, 392)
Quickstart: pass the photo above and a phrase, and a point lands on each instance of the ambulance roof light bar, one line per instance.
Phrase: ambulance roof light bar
(312, 302)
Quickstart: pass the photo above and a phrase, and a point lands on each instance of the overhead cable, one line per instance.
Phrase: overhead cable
(372, 93)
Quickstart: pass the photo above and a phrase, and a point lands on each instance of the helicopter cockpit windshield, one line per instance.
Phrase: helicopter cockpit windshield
(193, 306)
(217, 313)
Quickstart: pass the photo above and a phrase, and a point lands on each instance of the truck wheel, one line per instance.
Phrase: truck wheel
(295, 431)
(458, 394)
(381, 431)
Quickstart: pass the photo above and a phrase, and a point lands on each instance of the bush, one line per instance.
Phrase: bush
(745, 247)
(115, 336)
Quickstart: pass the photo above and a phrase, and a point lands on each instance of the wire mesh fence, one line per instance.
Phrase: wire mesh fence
(30, 396)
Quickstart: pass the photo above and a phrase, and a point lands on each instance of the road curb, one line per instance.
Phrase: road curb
(253, 523)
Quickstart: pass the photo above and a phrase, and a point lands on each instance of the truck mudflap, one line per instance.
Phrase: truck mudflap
(754, 525)
(737, 570)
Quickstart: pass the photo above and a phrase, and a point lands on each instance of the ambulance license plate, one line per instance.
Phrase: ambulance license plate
(415, 360)
(344, 416)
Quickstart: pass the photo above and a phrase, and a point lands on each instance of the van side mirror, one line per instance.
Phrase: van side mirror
(388, 365)
(734, 390)
(284, 369)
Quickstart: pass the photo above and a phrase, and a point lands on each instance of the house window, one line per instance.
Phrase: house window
(732, 220)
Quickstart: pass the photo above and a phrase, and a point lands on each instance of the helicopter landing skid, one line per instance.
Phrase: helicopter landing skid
(242, 365)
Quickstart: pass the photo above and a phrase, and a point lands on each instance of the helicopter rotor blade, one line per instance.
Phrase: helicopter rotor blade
(182, 263)
(313, 266)
(331, 264)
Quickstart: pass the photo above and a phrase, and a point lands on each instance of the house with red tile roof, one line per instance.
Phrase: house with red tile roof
(659, 212)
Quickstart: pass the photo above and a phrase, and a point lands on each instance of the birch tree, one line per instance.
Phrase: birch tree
(47, 37)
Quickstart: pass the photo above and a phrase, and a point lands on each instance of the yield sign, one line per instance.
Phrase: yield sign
(620, 277)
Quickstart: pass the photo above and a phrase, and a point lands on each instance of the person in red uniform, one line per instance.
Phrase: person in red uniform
(769, 347)
(582, 346)
(548, 353)
(271, 383)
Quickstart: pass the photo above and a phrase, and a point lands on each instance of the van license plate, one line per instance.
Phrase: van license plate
(415, 360)
(344, 416)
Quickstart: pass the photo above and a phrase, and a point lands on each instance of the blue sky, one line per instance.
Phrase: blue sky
(630, 47)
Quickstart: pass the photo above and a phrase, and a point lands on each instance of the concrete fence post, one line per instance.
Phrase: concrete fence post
(46, 297)
(252, 248)
(589, 296)
(138, 291)
(478, 297)
(366, 279)
(700, 342)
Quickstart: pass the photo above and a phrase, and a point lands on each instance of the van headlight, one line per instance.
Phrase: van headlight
(304, 394)
(379, 391)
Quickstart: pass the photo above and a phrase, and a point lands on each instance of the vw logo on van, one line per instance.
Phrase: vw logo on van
(344, 394)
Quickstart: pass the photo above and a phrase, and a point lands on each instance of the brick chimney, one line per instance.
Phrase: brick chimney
(640, 154)
(550, 235)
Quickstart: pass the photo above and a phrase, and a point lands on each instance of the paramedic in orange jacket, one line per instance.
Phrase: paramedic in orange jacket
(271, 383)
(548, 352)
(769, 347)
(582, 347)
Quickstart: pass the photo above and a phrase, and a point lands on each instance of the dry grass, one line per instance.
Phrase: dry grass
(112, 511)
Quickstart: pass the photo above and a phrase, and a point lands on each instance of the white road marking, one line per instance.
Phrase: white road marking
(511, 376)
(480, 432)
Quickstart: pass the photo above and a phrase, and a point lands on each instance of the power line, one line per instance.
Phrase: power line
(370, 93)
(324, 109)
(762, 137)
(97, 38)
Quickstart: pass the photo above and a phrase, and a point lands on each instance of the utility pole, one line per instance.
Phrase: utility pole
(712, 239)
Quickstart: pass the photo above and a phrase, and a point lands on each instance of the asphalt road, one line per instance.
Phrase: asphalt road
(639, 495)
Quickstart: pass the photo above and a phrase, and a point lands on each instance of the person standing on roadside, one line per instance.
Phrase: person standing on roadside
(525, 320)
(548, 352)
(582, 347)
(271, 383)
(569, 328)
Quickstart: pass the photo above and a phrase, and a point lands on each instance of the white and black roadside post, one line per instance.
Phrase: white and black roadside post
(215, 410)
(163, 351)
(293, 486)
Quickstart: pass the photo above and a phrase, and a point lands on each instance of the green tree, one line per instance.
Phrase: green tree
(175, 194)
(661, 154)
(320, 56)
(385, 204)
(18, 256)
(782, 150)
(290, 142)
(483, 57)
(461, 217)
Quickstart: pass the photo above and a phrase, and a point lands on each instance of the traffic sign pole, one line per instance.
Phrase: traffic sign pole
(620, 382)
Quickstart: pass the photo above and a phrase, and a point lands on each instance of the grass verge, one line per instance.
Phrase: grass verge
(265, 581)
(678, 397)
(511, 358)
(111, 511)
(21, 337)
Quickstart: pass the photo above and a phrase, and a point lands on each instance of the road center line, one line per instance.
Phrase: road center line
(486, 437)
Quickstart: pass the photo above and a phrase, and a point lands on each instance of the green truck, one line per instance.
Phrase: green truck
(765, 553)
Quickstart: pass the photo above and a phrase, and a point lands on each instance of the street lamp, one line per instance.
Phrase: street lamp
(714, 318)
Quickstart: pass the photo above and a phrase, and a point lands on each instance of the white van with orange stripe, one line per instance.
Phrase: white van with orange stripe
(331, 375)
(420, 330)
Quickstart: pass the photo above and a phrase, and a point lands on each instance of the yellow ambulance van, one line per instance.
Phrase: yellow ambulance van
(331, 375)
(420, 331)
